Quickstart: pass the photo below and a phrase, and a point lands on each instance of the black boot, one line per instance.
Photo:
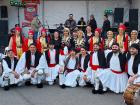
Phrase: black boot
(94, 91)
(40, 85)
(6, 88)
(27, 83)
(63, 86)
(100, 91)
(13, 85)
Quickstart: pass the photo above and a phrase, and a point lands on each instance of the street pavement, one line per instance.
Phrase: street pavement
(54, 95)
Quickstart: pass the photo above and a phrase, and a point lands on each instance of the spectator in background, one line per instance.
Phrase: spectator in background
(60, 28)
(92, 22)
(70, 23)
(35, 25)
(106, 26)
(81, 24)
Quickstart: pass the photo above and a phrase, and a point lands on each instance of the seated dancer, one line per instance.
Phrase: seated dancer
(97, 63)
(115, 77)
(9, 75)
(52, 60)
(70, 71)
(31, 66)
(83, 65)
(133, 59)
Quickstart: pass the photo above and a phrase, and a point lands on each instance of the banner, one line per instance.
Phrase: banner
(29, 11)
(31, 1)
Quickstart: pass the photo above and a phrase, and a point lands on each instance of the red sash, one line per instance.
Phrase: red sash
(51, 65)
(117, 72)
(93, 67)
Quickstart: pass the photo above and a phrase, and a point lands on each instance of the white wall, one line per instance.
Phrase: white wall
(136, 5)
(57, 11)
(97, 8)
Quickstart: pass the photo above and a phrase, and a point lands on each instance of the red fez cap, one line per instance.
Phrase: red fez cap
(44, 30)
(31, 32)
(122, 27)
(98, 30)
(18, 29)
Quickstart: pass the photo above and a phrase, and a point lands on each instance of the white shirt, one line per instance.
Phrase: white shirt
(32, 59)
(82, 62)
(130, 65)
(52, 56)
(95, 59)
(12, 64)
(115, 62)
(137, 80)
(71, 63)
(22, 62)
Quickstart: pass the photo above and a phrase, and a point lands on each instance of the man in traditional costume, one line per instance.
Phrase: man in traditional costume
(9, 75)
(97, 63)
(52, 59)
(70, 71)
(32, 66)
(133, 58)
(84, 58)
(115, 77)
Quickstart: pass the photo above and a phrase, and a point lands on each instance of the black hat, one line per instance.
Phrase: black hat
(73, 49)
(136, 46)
(51, 43)
(84, 47)
(32, 44)
(117, 44)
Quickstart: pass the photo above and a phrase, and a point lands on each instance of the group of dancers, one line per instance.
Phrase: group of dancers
(76, 59)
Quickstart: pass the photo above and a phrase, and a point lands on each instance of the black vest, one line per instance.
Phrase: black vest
(28, 59)
(8, 61)
(101, 58)
(86, 60)
(56, 57)
(122, 59)
(136, 62)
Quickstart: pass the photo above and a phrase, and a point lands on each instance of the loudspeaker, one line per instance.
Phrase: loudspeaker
(133, 19)
(118, 15)
(4, 12)
(3, 33)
